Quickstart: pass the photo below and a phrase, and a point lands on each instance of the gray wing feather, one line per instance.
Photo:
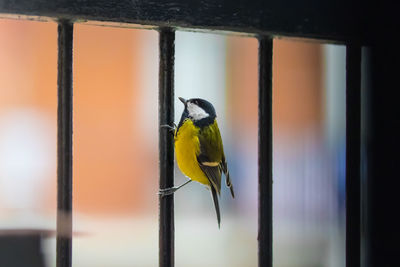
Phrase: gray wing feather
(213, 174)
(224, 167)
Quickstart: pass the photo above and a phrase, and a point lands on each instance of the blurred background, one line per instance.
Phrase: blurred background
(115, 198)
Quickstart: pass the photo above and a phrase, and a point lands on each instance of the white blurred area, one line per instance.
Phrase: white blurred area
(27, 143)
(115, 219)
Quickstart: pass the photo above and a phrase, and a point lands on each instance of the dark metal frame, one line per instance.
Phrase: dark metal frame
(337, 20)
(372, 114)
(353, 154)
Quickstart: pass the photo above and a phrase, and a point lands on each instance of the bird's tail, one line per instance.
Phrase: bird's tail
(216, 204)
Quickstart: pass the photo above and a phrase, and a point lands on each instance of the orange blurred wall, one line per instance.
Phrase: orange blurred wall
(111, 162)
(114, 170)
(297, 83)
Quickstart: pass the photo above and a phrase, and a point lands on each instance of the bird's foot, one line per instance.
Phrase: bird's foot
(169, 127)
(168, 191)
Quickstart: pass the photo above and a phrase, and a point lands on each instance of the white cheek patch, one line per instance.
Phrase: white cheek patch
(196, 112)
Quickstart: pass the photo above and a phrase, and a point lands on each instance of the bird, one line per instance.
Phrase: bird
(199, 149)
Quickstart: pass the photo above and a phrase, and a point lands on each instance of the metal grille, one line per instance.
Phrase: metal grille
(337, 21)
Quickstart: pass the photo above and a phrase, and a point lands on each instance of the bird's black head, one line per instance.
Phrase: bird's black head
(200, 111)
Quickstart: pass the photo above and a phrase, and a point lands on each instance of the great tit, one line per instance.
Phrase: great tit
(199, 150)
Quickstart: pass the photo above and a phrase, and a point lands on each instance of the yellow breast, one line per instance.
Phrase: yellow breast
(187, 147)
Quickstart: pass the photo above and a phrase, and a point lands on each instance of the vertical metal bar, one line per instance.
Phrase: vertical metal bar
(166, 146)
(64, 145)
(353, 154)
(381, 146)
(265, 152)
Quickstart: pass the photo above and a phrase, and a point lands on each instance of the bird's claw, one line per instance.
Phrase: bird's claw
(169, 127)
(167, 191)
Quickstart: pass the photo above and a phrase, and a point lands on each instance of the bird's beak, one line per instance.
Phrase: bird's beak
(182, 100)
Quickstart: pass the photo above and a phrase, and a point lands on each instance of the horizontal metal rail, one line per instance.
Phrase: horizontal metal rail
(336, 20)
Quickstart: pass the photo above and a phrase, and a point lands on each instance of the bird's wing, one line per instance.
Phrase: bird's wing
(209, 160)
(212, 159)
(210, 156)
